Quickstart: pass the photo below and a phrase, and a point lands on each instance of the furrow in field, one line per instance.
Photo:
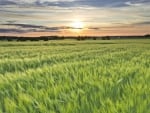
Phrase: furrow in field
(22, 65)
(65, 83)
(88, 79)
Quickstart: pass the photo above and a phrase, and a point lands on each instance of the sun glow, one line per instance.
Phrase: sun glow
(77, 26)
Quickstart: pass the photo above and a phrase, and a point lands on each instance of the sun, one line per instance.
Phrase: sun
(77, 25)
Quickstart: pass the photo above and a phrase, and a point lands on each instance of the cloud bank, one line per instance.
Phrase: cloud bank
(24, 16)
(73, 3)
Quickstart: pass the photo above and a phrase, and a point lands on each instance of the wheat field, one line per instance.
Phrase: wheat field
(111, 76)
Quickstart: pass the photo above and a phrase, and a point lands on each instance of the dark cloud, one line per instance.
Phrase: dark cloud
(41, 27)
(94, 28)
(142, 23)
(24, 28)
(4, 30)
(81, 3)
(24, 25)
(29, 26)
(77, 3)
(7, 2)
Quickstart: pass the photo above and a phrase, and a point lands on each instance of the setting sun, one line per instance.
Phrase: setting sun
(77, 25)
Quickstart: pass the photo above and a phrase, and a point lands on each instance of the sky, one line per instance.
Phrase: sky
(74, 17)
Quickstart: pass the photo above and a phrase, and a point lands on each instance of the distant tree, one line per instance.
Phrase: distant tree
(106, 38)
(147, 35)
(94, 38)
(78, 38)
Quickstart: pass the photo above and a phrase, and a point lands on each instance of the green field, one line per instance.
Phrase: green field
(69, 76)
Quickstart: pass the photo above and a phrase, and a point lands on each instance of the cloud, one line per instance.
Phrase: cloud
(37, 26)
(7, 2)
(137, 2)
(4, 30)
(34, 2)
(75, 3)
(132, 4)
(25, 25)
(25, 28)
(94, 28)
(59, 14)
(142, 23)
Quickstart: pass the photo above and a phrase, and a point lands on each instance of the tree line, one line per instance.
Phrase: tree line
(47, 38)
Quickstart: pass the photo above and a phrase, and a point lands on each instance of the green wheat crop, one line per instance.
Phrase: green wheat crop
(75, 76)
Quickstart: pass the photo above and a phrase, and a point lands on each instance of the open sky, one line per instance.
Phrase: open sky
(74, 17)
